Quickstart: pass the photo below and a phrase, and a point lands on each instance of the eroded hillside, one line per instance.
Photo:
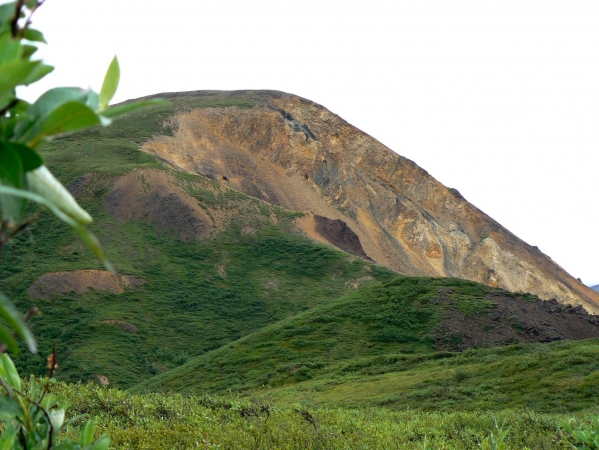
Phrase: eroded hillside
(294, 153)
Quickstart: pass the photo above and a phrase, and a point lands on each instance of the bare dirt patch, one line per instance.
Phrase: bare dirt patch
(80, 281)
(338, 233)
(509, 320)
(152, 196)
(332, 231)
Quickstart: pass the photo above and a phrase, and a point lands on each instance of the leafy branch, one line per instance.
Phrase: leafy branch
(34, 419)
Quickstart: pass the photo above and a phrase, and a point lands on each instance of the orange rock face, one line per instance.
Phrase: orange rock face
(296, 154)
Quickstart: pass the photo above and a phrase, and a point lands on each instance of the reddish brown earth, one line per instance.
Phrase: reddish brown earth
(80, 281)
(294, 153)
(151, 196)
(510, 320)
(339, 234)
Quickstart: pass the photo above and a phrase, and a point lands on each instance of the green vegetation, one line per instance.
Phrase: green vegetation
(187, 306)
(33, 420)
(559, 377)
(336, 354)
(398, 316)
(172, 421)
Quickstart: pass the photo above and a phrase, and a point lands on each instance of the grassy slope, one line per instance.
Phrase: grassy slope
(399, 316)
(557, 377)
(187, 307)
(375, 347)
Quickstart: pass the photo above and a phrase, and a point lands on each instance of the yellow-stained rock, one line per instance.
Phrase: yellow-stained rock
(296, 154)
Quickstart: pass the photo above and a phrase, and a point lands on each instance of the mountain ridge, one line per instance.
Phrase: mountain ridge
(294, 153)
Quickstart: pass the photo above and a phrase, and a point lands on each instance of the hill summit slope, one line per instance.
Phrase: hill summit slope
(294, 153)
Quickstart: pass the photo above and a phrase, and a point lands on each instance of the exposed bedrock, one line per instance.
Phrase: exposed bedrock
(295, 153)
(339, 234)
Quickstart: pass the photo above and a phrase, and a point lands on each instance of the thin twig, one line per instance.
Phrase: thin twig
(5, 238)
(12, 104)
(8, 391)
(26, 224)
(33, 311)
(52, 366)
(14, 25)
(34, 9)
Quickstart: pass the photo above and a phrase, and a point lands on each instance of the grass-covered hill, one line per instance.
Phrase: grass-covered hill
(387, 345)
(199, 265)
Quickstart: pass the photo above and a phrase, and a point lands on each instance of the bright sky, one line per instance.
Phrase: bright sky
(498, 99)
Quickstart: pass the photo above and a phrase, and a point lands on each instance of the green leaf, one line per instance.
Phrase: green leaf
(111, 82)
(28, 50)
(11, 167)
(93, 100)
(53, 98)
(9, 372)
(88, 238)
(7, 337)
(10, 49)
(6, 97)
(67, 118)
(11, 170)
(42, 182)
(37, 74)
(14, 319)
(67, 444)
(7, 12)
(8, 439)
(9, 406)
(126, 108)
(87, 433)
(30, 160)
(16, 73)
(100, 444)
(34, 35)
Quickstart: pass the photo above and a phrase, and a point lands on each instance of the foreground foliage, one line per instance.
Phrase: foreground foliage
(170, 421)
(34, 419)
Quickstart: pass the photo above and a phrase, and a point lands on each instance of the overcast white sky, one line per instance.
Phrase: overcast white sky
(498, 99)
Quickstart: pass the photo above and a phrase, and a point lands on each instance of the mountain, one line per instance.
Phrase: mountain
(296, 154)
(595, 288)
(228, 212)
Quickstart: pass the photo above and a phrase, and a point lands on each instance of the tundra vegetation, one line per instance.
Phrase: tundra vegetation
(255, 337)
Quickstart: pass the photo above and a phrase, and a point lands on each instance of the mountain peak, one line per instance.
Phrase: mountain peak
(296, 154)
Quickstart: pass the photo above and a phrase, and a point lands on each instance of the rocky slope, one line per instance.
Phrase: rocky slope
(358, 194)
